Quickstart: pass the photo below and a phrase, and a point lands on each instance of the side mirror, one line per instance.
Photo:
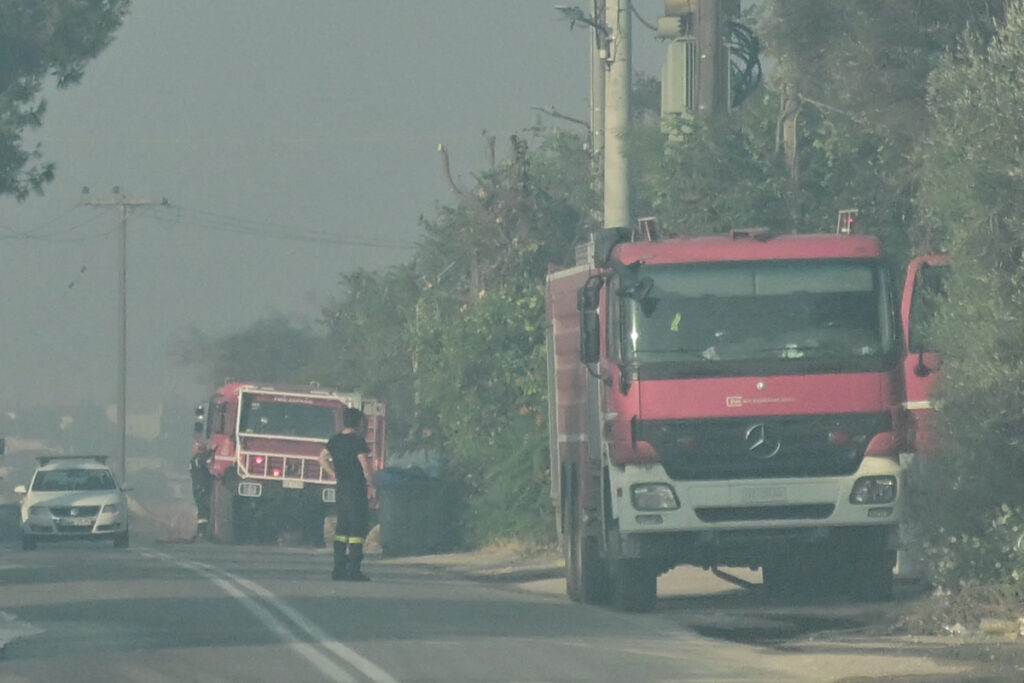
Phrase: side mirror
(587, 300)
(920, 369)
(21, 489)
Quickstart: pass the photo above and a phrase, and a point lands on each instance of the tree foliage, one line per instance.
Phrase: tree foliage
(972, 182)
(270, 350)
(41, 38)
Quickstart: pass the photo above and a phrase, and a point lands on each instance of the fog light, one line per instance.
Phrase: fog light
(873, 490)
(649, 519)
(654, 497)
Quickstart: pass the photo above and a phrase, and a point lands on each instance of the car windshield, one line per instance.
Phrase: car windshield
(748, 311)
(74, 480)
(283, 418)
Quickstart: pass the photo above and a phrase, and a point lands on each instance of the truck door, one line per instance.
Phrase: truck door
(923, 290)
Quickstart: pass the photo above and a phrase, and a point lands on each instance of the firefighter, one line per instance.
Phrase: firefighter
(202, 487)
(347, 458)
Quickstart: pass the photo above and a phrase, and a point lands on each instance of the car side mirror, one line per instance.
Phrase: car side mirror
(21, 489)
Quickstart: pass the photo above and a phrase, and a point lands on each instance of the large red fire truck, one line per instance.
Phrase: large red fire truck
(726, 401)
(260, 445)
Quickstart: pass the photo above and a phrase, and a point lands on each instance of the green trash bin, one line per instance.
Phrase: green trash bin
(411, 515)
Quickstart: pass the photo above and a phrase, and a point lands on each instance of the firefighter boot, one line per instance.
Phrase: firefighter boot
(355, 559)
(340, 571)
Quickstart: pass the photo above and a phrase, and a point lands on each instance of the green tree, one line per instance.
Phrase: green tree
(272, 349)
(851, 77)
(371, 340)
(970, 203)
(41, 38)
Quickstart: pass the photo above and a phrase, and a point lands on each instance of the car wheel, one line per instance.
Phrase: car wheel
(121, 540)
(28, 542)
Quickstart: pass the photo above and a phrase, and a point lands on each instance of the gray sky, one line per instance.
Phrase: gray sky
(281, 117)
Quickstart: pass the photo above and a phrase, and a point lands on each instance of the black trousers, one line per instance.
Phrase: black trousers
(353, 510)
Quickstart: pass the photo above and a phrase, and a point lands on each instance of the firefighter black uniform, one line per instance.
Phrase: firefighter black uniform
(347, 456)
(202, 487)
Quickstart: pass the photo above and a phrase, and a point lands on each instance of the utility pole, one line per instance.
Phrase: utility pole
(617, 94)
(123, 203)
(712, 60)
(598, 54)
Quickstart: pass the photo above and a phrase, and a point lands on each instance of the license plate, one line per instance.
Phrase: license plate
(250, 489)
(763, 494)
(293, 484)
(76, 521)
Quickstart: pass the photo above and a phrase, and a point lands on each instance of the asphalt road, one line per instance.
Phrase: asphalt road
(200, 612)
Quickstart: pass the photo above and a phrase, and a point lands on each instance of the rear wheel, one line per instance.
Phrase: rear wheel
(222, 511)
(634, 585)
(28, 542)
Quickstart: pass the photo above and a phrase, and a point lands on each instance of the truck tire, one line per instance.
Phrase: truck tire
(869, 578)
(634, 585)
(222, 512)
(586, 570)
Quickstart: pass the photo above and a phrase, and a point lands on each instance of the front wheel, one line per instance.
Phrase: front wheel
(586, 573)
(28, 542)
(121, 540)
(634, 585)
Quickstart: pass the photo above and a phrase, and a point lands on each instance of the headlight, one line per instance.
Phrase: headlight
(39, 511)
(654, 497)
(873, 490)
(111, 509)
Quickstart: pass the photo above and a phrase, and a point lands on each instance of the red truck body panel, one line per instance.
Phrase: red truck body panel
(921, 365)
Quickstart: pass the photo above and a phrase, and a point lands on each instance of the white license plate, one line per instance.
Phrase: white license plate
(293, 484)
(77, 521)
(763, 494)
(250, 489)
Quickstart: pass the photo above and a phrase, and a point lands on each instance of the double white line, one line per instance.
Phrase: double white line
(287, 623)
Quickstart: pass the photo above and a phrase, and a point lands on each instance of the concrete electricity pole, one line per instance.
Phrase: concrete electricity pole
(598, 54)
(617, 94)
(124, 204)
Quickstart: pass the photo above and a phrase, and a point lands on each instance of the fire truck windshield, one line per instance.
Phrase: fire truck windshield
(795, 312)
(262, 415)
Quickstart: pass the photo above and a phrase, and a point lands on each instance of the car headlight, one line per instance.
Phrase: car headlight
(873, 490)
(654, 497)
(111, 509)
(39, 511)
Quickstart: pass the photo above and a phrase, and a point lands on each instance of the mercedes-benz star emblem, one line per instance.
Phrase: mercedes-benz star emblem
(760, 443)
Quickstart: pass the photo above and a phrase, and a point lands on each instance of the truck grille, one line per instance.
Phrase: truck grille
(763, 447)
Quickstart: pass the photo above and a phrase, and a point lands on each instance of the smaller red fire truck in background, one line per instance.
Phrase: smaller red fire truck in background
(260, 445)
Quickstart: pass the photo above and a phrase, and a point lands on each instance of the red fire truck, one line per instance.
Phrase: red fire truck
(726, 401)
(261, 443)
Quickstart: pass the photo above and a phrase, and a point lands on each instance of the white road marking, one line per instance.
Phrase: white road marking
(236, 586)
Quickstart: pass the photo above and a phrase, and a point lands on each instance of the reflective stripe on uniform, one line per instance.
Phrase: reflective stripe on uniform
(355, 539)
(341, 539)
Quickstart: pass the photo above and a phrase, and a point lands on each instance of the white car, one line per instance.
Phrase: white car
(73, 497)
